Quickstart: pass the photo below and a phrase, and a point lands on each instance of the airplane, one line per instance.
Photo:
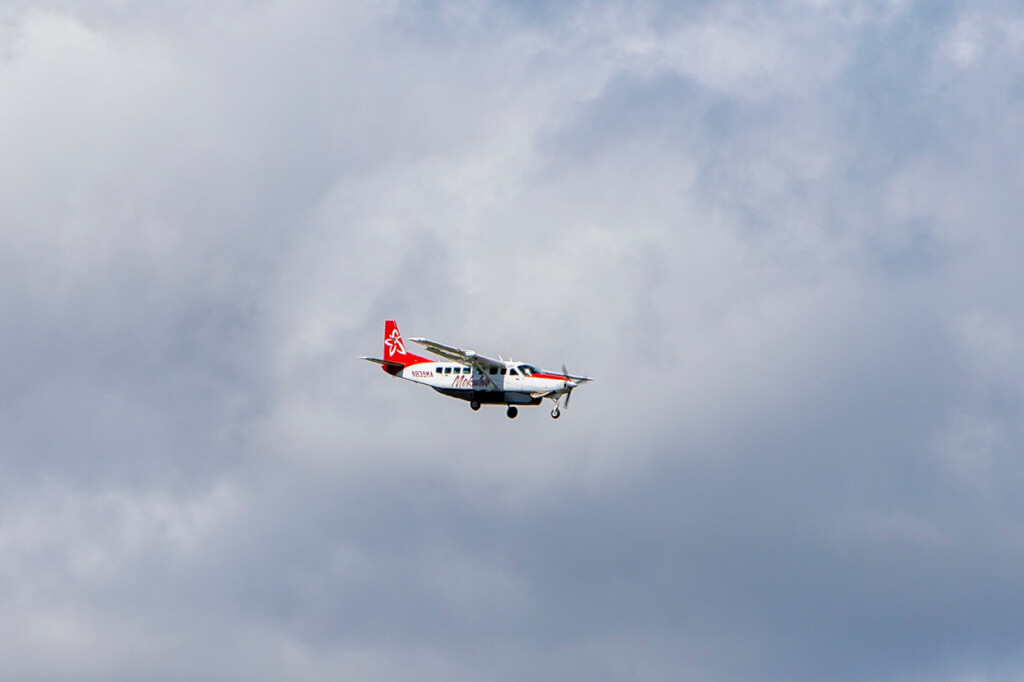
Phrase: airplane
(467, 375)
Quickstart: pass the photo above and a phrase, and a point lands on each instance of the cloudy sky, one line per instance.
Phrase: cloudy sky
(784, 236)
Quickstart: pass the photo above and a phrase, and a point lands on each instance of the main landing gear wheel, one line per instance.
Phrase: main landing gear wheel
(474, 405)
(555, 413)
(512, 412)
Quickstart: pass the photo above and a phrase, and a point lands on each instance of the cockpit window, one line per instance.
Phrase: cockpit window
(513, 372)
(527, 370)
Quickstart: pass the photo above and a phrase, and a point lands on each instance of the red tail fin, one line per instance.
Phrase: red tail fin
(394, 346)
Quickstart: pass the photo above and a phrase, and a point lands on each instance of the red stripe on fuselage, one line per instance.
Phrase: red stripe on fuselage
(542, 375)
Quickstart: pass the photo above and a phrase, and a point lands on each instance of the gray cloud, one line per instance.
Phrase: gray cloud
(782, 235)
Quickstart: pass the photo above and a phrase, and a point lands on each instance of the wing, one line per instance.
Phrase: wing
(470, 357)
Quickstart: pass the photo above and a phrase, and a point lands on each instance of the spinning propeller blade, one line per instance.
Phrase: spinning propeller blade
(570, 384)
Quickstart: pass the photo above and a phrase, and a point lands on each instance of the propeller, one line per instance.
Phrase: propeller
(570, 384)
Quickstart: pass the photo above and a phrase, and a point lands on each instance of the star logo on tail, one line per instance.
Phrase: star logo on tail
(394, 344)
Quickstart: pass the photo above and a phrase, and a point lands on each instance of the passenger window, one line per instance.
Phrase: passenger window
(503, 371)
(493, 370)
(447, 370)
(439, 370)
(465, 370)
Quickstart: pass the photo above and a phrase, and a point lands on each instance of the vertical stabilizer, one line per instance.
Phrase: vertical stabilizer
(394, 347)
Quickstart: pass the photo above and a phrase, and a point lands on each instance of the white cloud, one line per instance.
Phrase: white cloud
(71, 103)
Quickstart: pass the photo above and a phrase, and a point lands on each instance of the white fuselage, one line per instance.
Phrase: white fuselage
(513, 383)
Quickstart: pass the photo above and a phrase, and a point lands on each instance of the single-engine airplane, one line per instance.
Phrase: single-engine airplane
(467, 375)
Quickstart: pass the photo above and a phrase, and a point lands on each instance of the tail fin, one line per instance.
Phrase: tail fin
(394, 347)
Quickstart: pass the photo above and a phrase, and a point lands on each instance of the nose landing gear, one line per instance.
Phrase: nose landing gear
(556, 413)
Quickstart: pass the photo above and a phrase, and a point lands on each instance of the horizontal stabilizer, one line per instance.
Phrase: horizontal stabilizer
(386, 364)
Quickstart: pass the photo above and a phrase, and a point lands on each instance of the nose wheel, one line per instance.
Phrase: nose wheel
(474, 405)
(556, 413)
(512, 411)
